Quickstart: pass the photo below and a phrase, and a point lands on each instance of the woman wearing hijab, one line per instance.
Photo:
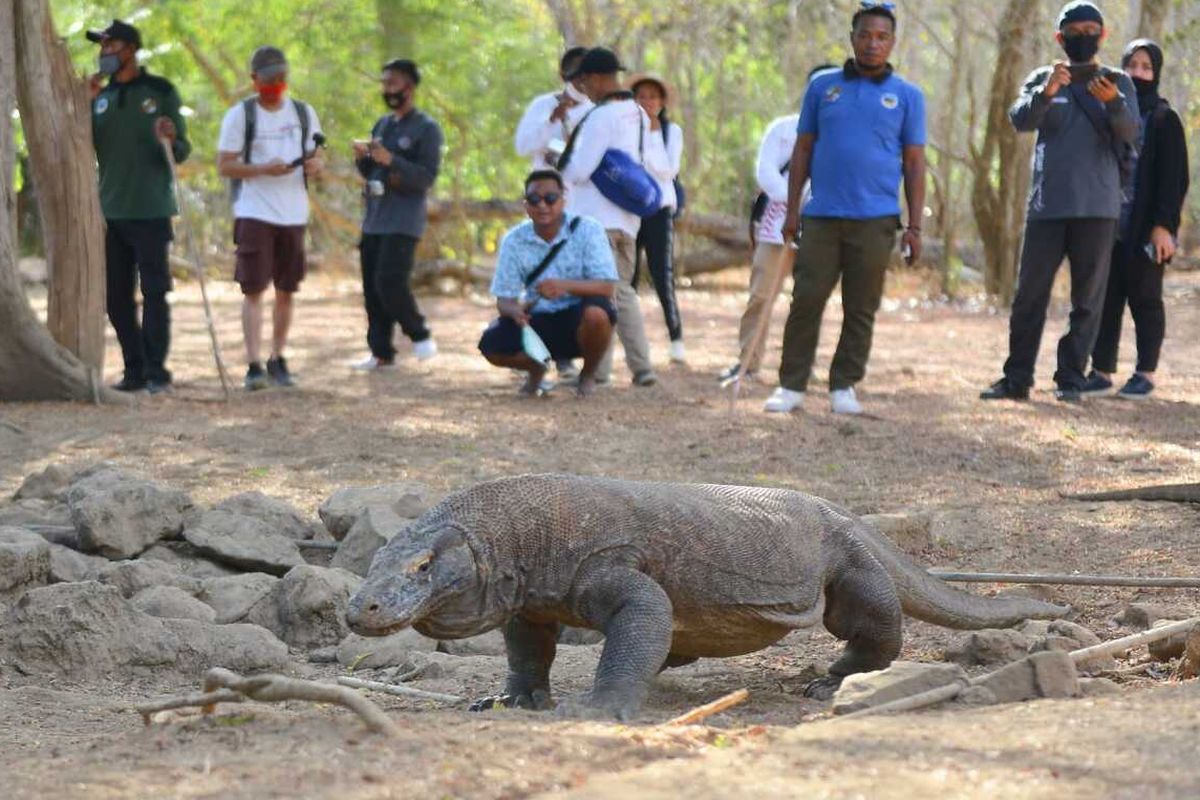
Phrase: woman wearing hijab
(1146, 234)
(657, 232)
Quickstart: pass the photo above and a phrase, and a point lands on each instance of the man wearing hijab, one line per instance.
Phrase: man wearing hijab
(1146, 235)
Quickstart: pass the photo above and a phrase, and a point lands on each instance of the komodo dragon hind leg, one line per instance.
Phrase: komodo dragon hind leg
(861, 608)
(531, 649)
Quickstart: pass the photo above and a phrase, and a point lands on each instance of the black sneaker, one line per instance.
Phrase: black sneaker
(1004, 389)
(1139, 387)
(256, 378)
(277, 369)
(128, 384)
(726, 375)
(158, 387)
(1096, 385)
(1065, 394)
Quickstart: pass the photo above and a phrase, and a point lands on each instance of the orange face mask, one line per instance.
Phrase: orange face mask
(270, 92)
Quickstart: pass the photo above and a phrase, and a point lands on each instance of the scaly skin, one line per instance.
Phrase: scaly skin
(668, 572)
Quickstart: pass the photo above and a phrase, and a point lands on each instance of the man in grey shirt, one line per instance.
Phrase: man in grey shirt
(1087, 122)
(400, 164)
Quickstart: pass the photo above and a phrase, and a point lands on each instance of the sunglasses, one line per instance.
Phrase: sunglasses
(866, 4)
(549, 198)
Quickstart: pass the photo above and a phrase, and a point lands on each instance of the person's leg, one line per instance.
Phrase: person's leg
(152, 244)
(771, 263)
(380, 326)
(1089, 249)
(631, 329)
(1108, 337)
(594, 336)
(1145, 283)
(120, 277)
(657, 235)
(252, 317)
(254, 271)
(1041, 254)
(501, 346)
(394, 271)
(817, 268)
(289, 270)
(866, 249)
(281, 319)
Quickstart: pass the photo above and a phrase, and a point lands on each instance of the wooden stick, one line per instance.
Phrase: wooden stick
(277, 688)
(400, 691)
(1066, 580)
(911, 703)
(1126, 642)
(708, 709)
(204, 700)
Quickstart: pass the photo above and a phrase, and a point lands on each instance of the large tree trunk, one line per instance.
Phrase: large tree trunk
(32, 365)
(60, 149)
(1152, 19)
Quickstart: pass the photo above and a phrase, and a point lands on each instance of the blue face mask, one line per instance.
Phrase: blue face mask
(110, 64)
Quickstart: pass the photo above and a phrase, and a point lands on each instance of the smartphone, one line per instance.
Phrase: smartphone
(1082, 73)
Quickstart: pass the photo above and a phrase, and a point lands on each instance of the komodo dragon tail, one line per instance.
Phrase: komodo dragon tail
(926, 598)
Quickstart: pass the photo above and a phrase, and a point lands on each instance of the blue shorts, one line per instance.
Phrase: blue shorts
(559, 330)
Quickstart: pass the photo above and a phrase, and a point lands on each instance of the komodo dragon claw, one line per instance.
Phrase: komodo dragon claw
(538, 701)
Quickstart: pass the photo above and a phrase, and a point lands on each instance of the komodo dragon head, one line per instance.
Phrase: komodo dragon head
(427, 578)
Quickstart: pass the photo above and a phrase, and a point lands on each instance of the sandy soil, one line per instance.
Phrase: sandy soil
(992, 475)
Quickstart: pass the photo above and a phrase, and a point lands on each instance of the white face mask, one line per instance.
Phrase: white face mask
(574, 93)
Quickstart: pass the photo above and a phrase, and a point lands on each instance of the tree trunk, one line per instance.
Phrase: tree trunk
(32, 365)
(1152, 20)
(60, 150)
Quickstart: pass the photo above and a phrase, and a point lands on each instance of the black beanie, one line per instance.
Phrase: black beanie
(1079, 11)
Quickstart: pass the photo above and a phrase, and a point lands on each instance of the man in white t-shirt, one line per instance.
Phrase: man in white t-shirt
(553, 116)
(268, 149)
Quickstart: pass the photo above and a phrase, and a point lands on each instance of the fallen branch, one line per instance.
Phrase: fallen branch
(400, 691)
(1066, 580)
(207, 700)
(708, 709)
(1126, 642)
(913, 702)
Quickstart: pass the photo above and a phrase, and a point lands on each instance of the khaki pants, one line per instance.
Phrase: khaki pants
(771, 263)
(630, 328)
(857, 252)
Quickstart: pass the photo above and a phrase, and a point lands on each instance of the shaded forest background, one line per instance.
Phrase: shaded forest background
(735, 66)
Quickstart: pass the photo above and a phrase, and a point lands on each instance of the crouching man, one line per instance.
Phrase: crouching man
(555, 274)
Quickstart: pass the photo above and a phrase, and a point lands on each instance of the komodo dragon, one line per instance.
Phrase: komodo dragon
(669, 572)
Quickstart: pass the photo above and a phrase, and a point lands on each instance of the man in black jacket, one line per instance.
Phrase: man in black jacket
(1146, 236)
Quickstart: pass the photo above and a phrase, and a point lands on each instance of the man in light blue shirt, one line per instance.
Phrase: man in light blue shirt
(556, 275)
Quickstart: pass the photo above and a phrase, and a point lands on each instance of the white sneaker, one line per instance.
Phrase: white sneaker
(678, 352)
(844, 402)
(425, 350)
(371, 364)
(783, 401)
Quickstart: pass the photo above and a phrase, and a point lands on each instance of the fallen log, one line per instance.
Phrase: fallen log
(1172, 493)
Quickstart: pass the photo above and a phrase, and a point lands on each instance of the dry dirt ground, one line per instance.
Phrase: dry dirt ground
(992, 475)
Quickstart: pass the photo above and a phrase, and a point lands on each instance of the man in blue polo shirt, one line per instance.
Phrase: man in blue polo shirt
(861, 130)
(568, 304)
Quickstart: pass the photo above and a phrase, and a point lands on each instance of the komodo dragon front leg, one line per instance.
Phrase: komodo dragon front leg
(531, 648)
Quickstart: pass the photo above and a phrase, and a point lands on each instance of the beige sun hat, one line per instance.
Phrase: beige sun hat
(649, 77)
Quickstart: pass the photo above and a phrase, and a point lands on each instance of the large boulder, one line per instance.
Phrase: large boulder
(375, 527)
(244, 542)
(342, 509)
(86, 631)
(307, 608)
(131, 577)
(901, 679)
(368, 652)
(282, 518)
(70, 566)
(118, 515)
(24, 562)
(1142, 616)
(49, 484)
(187, 559)
(50, 520)
(171, 603)
(234, 596)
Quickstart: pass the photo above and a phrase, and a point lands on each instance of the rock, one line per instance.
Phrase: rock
(1191, 657)
(172, 603)
(282, 518)
(989, 647)
(68, 566)
(234, 596)
(363, 652)
(1173, 646)
(24, 562)
(86, 631)
(1061, 634)
(340, 511)
(485, 644)
(49, 484)
(187, 559)
(1033, 591)
(1097, 687)
(244, 542)
(50, 520)
(323, 655)
(579, 636)
(307, 608)
(1046, 674)
(1141, 616)
(118, 515)
(901, 679)
(374, 528)
(131, 577)
(912, 532)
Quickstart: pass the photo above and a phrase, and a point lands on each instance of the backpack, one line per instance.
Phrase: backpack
(250, 110)
(623, 182)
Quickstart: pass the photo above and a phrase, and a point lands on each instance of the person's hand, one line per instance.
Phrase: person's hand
(314, 166)
(1164, 244)
(910, 243)
(565, 104)
(655, 122)
(94, 85)
(518, 314)
(551, 289)
(361, 149)
(164, 128)
(1103, 89)
(1060, 77)
(380, 154)
(791, 226)
(275, 168)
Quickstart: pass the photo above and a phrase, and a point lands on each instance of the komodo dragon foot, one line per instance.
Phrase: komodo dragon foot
(538, 700)
(823, 688)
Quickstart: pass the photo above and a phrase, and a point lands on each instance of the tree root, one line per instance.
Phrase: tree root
(223, 686)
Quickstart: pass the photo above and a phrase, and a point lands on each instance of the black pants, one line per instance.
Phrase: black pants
(1134, 279)
(656, 238)
(1087, 244)
(136, 252)
(387, 264)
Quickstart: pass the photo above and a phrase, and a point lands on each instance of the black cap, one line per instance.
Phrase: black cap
(268, 61)
(598, 61)
(1079, 11)
(119, 30)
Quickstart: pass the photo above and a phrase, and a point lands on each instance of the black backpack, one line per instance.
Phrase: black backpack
(250, 109)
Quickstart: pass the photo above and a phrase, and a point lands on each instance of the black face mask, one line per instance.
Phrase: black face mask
(1082, 48)
(1144, 87)
(395, 100)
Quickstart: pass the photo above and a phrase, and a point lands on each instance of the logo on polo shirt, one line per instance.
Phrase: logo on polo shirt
(404, 143)
(833, 93)
(101, 105)
(149, 105)
(889, 101)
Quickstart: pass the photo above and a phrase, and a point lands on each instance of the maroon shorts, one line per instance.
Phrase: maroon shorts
(268, 254)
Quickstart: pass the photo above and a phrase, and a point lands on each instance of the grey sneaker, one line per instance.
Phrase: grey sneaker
(647, 378)
(277, 369)
(256, 378)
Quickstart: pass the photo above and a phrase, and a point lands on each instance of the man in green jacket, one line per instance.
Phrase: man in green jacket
(131, 115)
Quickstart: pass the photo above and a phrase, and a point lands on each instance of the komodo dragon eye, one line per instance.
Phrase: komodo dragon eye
(422, 564)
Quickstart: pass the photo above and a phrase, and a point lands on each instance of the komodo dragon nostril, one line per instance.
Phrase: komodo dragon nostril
(373, 608)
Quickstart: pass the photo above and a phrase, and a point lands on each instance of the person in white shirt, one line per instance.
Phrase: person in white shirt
(617, 123)
(268, 148)
(656, 236)
(551, 118)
